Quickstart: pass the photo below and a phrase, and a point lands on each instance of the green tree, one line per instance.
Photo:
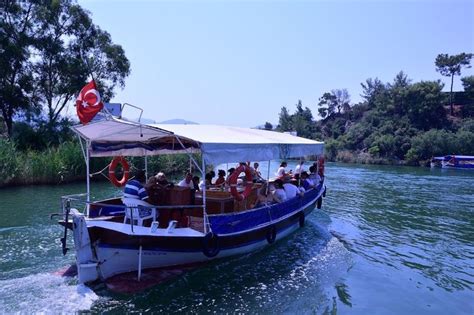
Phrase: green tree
(398, 90)
(285, 121)
(468, 84)
(327, 105)
(302, 121)
(70, 49)
(338, 99)
(450, 66)
(268, 126)
(374, 92)
(425, 106)
(16, 38)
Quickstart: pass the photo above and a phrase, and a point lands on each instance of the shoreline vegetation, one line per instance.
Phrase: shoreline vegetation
(396, 123)
(64, 163)
(51, 49)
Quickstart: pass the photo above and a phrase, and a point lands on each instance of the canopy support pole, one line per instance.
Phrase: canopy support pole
(88, 180)
(146, 166)
(301, 171)
(190, 156)
(268, 177)
(206, 222)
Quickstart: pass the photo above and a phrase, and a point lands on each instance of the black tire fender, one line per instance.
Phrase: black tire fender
(319, 202)
(301, 219)
(271, 234)
(210, 246)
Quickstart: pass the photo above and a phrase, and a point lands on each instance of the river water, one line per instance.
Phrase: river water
(389, 240)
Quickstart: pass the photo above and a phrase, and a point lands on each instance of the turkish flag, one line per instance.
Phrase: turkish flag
(88, 103)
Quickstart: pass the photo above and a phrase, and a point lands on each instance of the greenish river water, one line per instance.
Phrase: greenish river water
(389, 240)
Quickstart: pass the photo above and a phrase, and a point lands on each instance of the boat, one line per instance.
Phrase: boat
(115, 236)
(464, 162)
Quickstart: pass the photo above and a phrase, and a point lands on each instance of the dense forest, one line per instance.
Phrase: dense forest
(400, 122)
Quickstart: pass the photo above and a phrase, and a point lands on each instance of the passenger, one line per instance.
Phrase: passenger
(299, 168)
(187, 181)
(256, 175)
(134, 188)
(314, 176)
(206, 183)
(220, 181)
(264, 196)
(229, 171)
(292, 191)
(306, 183)
(279, 193)
(162, 181)
(196, 182)
(281, 172)
(213, 174)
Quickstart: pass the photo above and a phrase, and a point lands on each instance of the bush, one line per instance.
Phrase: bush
(8, 162)
(431, 143)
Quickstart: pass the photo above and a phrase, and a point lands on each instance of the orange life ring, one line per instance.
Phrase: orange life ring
(126, 171)
(321, 166)
(233, 182)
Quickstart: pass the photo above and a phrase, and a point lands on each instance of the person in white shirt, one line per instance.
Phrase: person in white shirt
(279, 193)
(291, 190)
(299, 168)
(187, 181)
(281, 172)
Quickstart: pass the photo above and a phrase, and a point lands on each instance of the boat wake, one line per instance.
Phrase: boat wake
(44, 292)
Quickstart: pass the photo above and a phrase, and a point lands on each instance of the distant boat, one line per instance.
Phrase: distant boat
(453, 161)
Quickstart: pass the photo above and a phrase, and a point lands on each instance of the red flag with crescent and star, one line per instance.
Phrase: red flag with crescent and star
(88, 103)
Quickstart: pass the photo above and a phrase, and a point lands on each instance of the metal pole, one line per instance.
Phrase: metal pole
(203, 171)
(146, 166)
(88, 178)
(299, 177)
(268, 171)
(268, 177)
(139, 262)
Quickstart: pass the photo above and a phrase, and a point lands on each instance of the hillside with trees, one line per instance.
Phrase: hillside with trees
(398, 122)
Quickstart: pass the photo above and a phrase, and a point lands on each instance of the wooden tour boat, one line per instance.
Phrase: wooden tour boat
(179, 228)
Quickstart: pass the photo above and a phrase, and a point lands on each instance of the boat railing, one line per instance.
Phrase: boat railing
(79, 201)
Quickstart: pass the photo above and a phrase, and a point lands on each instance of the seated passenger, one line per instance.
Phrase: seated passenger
(299, 168)
(292, 191)
(306, 183)
(279, 193)
(256, 175)
(212, 175)
(196, 182)
(281, 172)
(221, 178)
(314, 176)
(206, 183)
(134, 188)
(229, 171)
(161, 179)
(264, 196)
(187, 181)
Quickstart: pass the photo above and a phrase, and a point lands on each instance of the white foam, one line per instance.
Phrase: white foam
(44, 293)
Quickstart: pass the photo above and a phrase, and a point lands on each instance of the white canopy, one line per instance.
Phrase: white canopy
(218, 144)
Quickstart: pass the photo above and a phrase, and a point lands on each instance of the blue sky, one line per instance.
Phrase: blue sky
(238, 62)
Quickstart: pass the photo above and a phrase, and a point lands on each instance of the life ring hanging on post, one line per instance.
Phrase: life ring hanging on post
(233, 182)
(321, 166)
(126, 171)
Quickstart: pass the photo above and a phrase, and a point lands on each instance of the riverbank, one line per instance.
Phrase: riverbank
(65, 164)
